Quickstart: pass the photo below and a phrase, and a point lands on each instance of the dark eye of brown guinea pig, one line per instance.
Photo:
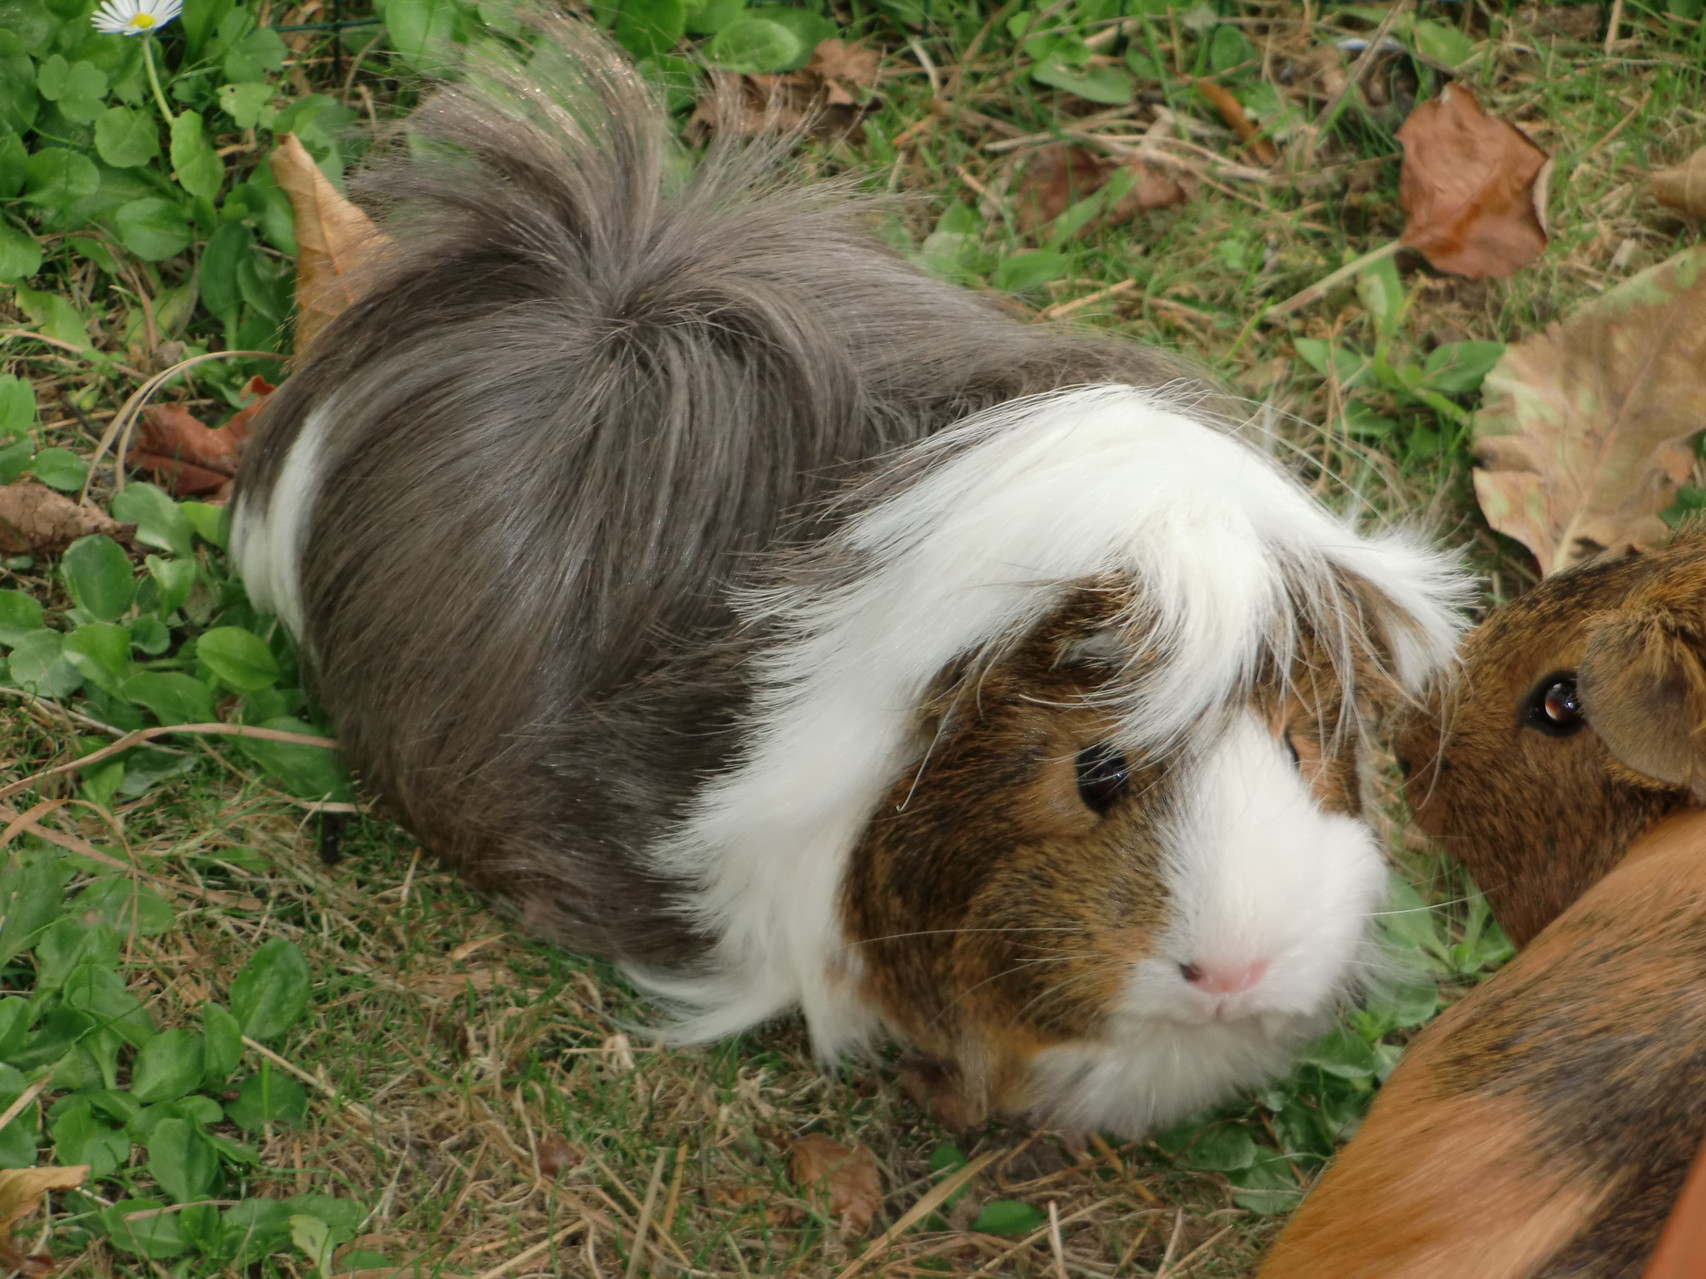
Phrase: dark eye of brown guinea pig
(1103, 776)
(1554, 706)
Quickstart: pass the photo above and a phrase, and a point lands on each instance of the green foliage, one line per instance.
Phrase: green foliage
(146, 1107)
(161, 644)
(1008, 1217)
(1307, 1115)
(108, 145)
(1453, 369)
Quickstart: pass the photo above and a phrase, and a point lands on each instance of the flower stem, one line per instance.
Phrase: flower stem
(154, 78)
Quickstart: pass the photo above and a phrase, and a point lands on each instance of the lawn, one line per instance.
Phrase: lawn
(283, 1040)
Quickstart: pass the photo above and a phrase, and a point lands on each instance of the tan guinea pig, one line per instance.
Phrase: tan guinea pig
(1575, 723)
(1544, 1125)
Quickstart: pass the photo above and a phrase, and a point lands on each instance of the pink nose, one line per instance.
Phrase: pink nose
(1224, 979)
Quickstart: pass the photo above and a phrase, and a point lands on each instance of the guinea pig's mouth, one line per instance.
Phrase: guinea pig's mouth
(1150, 1070)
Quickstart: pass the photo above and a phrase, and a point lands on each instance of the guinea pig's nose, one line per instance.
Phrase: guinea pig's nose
(1224, 979)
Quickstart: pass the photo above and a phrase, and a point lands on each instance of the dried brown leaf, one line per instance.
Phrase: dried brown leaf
(21, 1193)
(34, 519)
(1472, 186)
(1057, 176)
(334, 239)
(846, 1175)
(556, 1154)
(171, 430)
(847, 72)
(1572, 21)
(190, 459)
(1583, 435)
(1054, 178)
(825, 97)
(1684, 187)
(238, 423)
(1151, 189)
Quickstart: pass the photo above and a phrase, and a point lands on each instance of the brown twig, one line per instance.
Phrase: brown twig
(1232, 111)
(148, 734)
(25, 821)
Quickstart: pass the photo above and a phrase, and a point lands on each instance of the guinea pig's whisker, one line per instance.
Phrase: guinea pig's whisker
(1008, 971)
(1058, 988)
(950, 932)
(1415, 910)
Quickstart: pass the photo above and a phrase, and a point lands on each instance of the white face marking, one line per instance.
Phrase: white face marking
(1259, 875)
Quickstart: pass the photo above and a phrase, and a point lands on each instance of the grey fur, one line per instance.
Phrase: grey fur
(583, 393)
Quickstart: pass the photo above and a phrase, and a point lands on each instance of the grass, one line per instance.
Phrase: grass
(488, 1102)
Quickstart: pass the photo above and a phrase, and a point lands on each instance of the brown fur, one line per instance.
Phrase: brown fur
(1535, 818)
(1543, 1126)
(995, 913)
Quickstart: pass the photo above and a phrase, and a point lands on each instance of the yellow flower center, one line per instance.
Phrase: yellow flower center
(142, 21)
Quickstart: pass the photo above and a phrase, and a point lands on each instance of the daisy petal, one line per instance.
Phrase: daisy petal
(134, 17)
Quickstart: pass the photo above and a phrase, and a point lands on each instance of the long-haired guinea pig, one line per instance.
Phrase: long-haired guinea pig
(1544, 1125)
(738, 602)
(1577, 721)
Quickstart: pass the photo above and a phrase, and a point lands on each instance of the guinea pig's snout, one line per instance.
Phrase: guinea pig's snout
(1224, 979)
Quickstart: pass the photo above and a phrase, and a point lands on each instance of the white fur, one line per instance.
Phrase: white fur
(1009, 509)
(1256, 873)
(267, 541)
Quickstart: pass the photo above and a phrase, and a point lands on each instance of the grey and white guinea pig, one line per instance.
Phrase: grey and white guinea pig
(1576, 721)
(739, 603)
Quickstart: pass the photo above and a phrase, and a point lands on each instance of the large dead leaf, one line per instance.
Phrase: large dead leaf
(1583, 434)
(845, 1178)
(334, 240)
(1684, 187)
(36, 520)
(1472, 186)
(826, 96)
(189, 459)
(1059, 175)
(21, 1193)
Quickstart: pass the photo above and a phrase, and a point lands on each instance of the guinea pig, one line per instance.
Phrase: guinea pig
(737, 602)
(1545, 1124)
(1576, 722)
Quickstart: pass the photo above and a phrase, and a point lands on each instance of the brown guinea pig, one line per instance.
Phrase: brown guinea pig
(1544, 1125)
(1574, 724)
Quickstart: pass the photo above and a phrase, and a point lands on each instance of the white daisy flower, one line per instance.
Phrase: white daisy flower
(135, 17)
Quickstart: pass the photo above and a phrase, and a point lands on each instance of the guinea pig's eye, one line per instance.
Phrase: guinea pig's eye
(1554, 707)
(1291, 749)
(1102, 776)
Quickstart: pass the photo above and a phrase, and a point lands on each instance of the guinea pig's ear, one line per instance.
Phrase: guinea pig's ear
(1643, 689)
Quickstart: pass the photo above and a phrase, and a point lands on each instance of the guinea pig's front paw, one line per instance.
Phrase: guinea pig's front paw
(937, 1087)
